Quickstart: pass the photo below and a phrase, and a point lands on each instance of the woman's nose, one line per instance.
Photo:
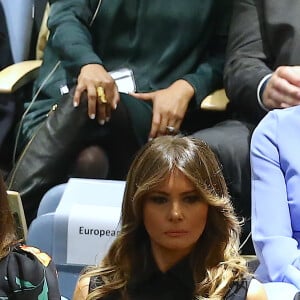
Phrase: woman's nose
(176, 212)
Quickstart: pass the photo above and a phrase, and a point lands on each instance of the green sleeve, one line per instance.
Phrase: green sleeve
(69, 25)
(209, 74)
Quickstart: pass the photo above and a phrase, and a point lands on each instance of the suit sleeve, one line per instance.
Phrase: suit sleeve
(246, 59)
(69, 25)
(271, 222)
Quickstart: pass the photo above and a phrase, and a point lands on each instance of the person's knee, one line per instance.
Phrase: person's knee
(91, 162)
(229, 140)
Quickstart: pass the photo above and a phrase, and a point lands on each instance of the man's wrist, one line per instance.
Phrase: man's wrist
(260, 90)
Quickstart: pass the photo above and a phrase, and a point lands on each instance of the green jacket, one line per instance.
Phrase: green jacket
(160, 40)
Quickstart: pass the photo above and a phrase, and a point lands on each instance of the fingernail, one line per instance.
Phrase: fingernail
(101, 122)
(92, 116)
(116, 105)
(75, 104)
(107, 119)
(150, 139)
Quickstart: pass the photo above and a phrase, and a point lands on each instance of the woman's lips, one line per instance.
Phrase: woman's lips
(176, 233)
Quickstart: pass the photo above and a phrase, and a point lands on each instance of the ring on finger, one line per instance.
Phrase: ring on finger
(170, 129)
(101, 95)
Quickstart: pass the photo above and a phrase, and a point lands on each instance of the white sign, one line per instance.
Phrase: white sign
(124, 80)
(86, 220)
(91, 230)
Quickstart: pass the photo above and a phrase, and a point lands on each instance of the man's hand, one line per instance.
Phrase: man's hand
(283, 88)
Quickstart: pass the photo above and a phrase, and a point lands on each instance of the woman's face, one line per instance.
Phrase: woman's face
(174, 217)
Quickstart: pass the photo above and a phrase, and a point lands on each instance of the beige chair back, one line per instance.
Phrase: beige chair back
(43, 34)
(16, 207)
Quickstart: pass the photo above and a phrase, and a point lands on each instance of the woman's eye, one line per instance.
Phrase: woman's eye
(192, 198)
(158, 199)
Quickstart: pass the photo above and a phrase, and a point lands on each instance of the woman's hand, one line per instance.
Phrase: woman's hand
(283, 88)
(90, 78)
(169, 107)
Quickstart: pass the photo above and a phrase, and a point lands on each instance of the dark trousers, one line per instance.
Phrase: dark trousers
(230, 141)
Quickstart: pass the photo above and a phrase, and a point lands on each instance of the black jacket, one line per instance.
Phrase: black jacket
(264, 34)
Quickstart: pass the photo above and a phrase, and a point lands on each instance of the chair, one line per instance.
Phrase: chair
(216, 101)
(76, 223)
(15, 76)
(21, 34)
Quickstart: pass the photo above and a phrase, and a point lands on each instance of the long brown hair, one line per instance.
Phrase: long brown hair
(7, 228)
(215, 260)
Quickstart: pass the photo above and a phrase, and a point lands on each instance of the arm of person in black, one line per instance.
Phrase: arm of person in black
(247, 59)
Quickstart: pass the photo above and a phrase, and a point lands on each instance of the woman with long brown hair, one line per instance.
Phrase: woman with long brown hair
(179, 235)
(26, 273)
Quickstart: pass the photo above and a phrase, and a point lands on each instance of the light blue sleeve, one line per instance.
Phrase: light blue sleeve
(19, 21)
(271, 221)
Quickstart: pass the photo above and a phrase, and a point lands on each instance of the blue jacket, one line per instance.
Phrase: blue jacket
(275, 165)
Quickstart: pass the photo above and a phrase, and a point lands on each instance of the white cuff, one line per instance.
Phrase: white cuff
(261, 83)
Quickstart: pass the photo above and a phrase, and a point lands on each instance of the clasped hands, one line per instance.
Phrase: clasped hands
(169, 105)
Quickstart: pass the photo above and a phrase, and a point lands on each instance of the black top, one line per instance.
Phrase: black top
(28, 274)
(176, 284)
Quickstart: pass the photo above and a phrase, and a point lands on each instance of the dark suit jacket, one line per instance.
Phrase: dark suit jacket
(264, 35)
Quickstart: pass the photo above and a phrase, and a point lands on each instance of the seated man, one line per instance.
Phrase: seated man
(262, 70)
(262, 74)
